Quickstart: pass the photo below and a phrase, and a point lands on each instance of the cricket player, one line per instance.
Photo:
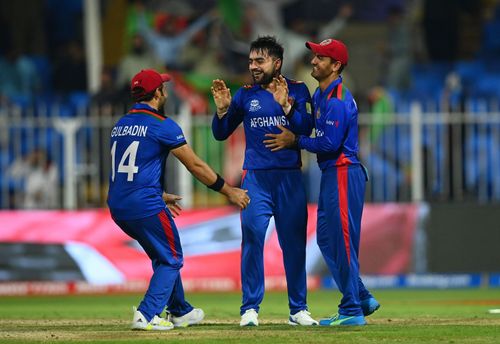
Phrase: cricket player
(140, 143)
(343, 178)
(273, 180)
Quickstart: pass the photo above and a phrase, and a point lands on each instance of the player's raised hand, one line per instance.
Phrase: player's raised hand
(222, 96)
(285, 139)
(279, 89)
(171, 202)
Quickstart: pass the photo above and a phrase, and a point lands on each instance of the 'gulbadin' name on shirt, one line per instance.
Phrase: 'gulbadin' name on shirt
(132, 130)
(271, 121)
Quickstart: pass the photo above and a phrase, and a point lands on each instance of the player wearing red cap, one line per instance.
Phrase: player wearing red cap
(343, 178)
(140, 143)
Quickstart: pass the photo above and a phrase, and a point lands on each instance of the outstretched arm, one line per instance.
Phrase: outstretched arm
(207, 176)
(329, 140)
(285, 139)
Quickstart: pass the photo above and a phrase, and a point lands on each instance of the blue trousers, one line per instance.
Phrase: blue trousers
(340, 209)
(278, 193)
(159, 237)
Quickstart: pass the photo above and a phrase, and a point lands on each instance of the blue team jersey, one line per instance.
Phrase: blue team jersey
(140, 143)
(261, 114)
(336, 127)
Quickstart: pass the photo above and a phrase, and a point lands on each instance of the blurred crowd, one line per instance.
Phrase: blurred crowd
(444, 54)
(450, 48)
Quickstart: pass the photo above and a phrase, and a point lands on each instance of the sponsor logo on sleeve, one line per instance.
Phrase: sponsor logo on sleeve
(334, 123)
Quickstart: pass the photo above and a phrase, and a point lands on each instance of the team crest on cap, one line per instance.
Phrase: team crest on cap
(326, 41)
(254, 105)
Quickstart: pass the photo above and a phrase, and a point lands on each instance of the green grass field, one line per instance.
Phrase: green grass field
(406, 316)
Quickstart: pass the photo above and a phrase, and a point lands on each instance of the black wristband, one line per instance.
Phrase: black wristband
(219, 183)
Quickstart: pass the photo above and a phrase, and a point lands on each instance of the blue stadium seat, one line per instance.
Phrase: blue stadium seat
(401, 105)
(475, 105)
(488, 86)
(64, 110)
(44, 71)
(386, 178)
(428, 82)
(428, 79)
(469, 71)
(79, 100)
(482, 160)
(21, 100)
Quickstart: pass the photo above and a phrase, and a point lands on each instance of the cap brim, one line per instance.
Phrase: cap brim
(316, 48)
(165, 77)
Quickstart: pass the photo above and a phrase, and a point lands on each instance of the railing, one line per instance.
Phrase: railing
(48, 160)
(434, 156)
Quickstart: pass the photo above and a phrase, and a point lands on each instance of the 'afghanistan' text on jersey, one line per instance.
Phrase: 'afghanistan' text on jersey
(261, 114)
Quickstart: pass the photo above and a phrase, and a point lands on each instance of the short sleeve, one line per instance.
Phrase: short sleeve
(171, 134)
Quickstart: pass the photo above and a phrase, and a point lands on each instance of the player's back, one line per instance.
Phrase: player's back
(140, 143)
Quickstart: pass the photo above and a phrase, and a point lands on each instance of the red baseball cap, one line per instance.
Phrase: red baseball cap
(146, 81)
(332, 48)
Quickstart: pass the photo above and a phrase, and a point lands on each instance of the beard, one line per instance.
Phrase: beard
(161, 109)
(316, 74)
(161, 105)
(265, 78)
(320, 74)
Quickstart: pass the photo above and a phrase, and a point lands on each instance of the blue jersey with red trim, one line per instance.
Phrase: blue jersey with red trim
(261, 114)
(336, 127)
(140, 143)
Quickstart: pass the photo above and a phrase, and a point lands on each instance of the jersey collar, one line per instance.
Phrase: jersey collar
(142, 106)
(332, 85)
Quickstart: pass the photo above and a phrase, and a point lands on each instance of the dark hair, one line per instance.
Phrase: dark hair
(269, 44)
(138, 94)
